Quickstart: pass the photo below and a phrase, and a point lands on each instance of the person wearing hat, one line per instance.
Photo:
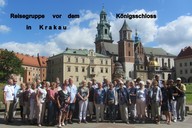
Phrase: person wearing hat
(181, 100)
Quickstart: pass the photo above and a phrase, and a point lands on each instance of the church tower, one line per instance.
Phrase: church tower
(103, 32)
(126, 50)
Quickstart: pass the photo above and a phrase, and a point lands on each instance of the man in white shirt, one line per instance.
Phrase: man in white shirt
(8, 97)
(16, 99)
(72, 89)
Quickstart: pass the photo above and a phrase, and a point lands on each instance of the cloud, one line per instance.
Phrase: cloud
(146, 27)
(2, 3)
(4, 29)
(81, 34)
(176, 33)
(32, 48)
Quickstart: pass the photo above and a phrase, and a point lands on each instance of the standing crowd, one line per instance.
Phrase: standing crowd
(55, 103)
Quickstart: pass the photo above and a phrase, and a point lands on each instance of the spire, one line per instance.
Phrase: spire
(125, 26)
(136, 36)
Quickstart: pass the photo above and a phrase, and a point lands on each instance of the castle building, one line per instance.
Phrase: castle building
(130, 54)
(79, 64)
(183, 64)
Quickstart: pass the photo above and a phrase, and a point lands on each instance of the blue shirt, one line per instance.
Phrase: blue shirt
(123, 96)
(99, 96)
(16, 90)
(73, 92)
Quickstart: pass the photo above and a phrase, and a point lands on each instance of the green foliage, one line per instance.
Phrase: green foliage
(9, 64)
(189, 94)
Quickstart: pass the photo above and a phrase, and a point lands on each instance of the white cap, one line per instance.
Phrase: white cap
(142, 82)
(179, 79)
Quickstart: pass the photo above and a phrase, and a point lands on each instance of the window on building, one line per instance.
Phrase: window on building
(92, 69)
(129, 45)
(76, 69)
(105, 31)
(190, 70)
(29, 73)
(85, 77)
(83, 69)
(180, 64)
(106, 70)
(181, 71)
(52, 61)
(77, 78)
(129, 53)
(101, 70)
(101, 61)
(190, 63)
(83, 60)
(29, 79)
(156, 59)
(43, 75)
(185, 63)
(68, 68)
(68, 59)
(169, 63)
(106, 62)
(186, 71)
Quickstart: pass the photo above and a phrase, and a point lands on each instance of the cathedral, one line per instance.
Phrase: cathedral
(130, 59)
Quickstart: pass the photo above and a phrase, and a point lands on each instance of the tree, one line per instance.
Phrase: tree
(9, 64)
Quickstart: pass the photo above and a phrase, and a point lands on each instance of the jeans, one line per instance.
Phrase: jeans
(112, 112)
(51, 117)
(181, 107)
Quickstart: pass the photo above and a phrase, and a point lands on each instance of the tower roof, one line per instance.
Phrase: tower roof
(125, 26)
(103, 11)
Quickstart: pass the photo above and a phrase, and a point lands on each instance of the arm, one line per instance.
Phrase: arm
(59, 105)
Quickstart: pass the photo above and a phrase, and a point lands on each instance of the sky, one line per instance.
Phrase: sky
(171, 30)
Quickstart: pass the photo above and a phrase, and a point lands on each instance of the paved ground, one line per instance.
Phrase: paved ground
(186, 124)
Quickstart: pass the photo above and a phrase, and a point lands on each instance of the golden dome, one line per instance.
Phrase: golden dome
(153, 63)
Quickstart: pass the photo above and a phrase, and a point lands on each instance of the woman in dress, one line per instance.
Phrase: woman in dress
(63, 99)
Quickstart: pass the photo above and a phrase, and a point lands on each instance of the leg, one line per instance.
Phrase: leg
(97, 107)
(80, 110)
(85, 110)
(102, 112)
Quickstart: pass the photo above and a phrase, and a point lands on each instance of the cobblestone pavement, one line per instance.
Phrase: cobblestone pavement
(185, 124)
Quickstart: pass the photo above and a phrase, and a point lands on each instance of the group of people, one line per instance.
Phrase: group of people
(45, 103)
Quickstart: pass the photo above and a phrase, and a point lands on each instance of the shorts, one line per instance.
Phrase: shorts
(72, 107)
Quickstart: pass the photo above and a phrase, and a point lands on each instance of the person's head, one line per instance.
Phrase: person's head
(115, 82)
(89, 84)
(127, 83)
(178, 80)
(138, 80)
(10, 81)
(28, 86)
(70, 81)
(23, 86)
(148, 82)
(131, 84)
(164, 83)
(171, 82)
(64, 86)
(111, 85)
(53, 85)
(47, 85)
(66, 81)
(107, 81)
(99, 85)
(93, 81)
(14, 81)
(141, 84)
(157, 77)
(121, 84)
(155, 83)
(33, 85)
(83, 83)
(38, 81)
